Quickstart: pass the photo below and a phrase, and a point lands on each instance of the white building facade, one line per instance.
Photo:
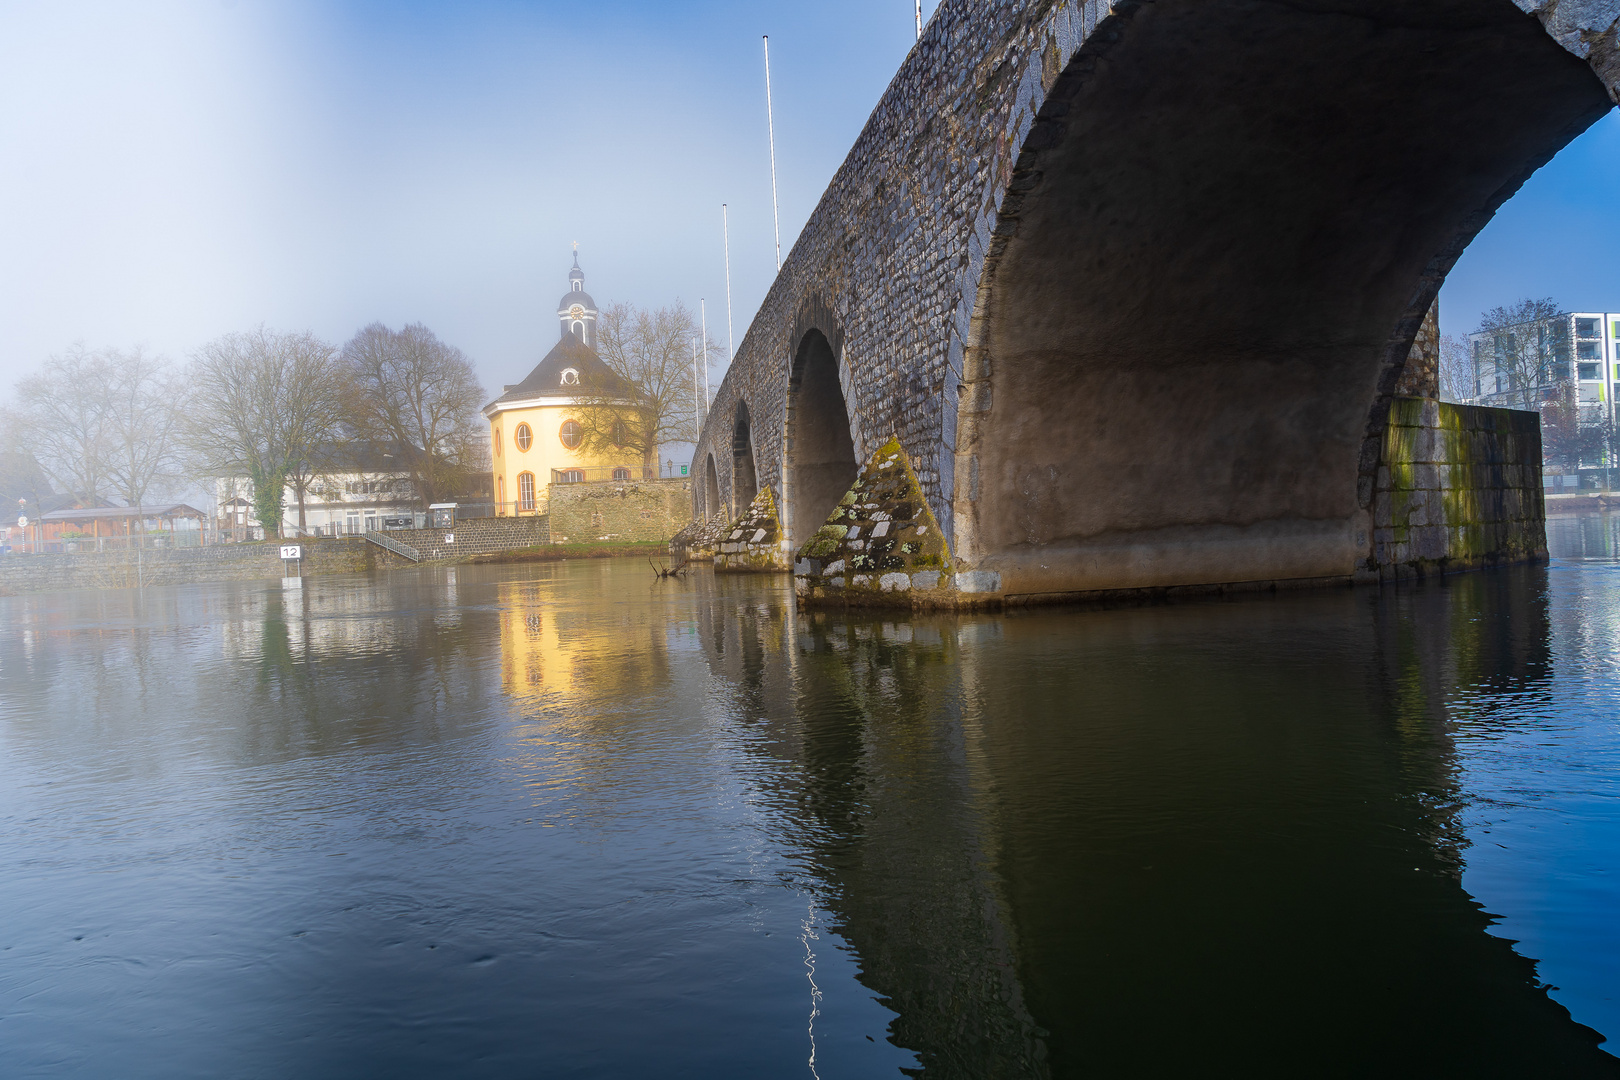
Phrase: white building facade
(1581, 349)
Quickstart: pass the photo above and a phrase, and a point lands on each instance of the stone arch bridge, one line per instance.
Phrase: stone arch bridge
(1143, 295)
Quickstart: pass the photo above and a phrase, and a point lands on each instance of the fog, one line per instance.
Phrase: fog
(174, 171)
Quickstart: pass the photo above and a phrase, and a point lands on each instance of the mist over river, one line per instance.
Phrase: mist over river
(559, 819)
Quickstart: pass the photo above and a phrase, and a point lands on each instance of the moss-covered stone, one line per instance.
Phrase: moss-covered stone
(1458, 487)
(880, 545)
(753, 544)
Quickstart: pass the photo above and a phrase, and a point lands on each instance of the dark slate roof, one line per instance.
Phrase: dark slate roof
(546, 379)
(581, 298)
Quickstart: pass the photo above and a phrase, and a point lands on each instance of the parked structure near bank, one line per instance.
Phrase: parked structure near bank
(1135, 288)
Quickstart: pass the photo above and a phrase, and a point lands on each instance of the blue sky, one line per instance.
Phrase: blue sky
(173, 171)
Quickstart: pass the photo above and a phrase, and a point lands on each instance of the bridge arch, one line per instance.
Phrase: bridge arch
(818, 446)
(744, 475)
(1224, 228)
(711, 488)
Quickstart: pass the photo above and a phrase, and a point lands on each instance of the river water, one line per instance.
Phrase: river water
(561, 820)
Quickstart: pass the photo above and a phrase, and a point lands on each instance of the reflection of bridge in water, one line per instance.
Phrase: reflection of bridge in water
(1053, 860)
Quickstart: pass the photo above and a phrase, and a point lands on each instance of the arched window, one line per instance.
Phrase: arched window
(579, 330)
(497, 442)
(523, 437)
(570, 377)
(526, 491)
(621, 473)
(619, 433)
(571, 434)
(500, 495)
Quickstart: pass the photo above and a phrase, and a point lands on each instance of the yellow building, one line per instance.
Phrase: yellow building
(535, 434)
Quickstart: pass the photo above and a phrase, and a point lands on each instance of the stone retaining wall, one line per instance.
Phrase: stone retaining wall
(180, 566)
(470, 536)
(1458, 488)
(620, 510)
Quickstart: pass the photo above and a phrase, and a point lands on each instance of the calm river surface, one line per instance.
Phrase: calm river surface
(558, 820)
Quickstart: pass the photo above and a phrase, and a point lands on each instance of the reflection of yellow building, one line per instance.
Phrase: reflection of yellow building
(556, 648)
(535, 428)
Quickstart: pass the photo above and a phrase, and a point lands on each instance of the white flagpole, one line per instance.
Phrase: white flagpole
(703, 316)
(770, 127)
(725, 232)
(919, 20)
(697, 393)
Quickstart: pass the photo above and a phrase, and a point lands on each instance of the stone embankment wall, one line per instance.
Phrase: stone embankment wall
(180, 566)
(1458, 488)
(262, 559)
(639, 510)
(471, 536)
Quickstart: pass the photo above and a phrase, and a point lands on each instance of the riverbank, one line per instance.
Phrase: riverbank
(261, 560)
(652, 549)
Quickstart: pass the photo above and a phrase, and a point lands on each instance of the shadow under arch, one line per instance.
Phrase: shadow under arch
(744, 478)
(711, 488)
(820, 465)
(1224, 230)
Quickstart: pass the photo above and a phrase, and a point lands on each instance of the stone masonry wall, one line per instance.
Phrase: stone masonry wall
(889, 265)
(1420, 378)
(473, 536)
(180, 566)
(753, 543)
(262, 559)
(620, 510)
(1459, 488)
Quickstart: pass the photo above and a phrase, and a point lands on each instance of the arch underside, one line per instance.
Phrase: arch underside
(711, 488)
(820, 452)
(1225, 230)
(744, 477)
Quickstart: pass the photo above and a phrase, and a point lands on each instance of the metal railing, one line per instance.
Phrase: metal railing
(593, 474)
(388, 543)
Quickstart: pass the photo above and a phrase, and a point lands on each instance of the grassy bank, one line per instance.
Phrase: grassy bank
(551, 552)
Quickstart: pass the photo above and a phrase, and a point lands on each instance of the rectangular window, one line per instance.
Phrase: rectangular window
(1589, 372)
(1588, 350)
(352, 522)
(1587, 328)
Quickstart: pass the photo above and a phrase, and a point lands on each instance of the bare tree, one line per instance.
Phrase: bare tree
(1528, 343)
(409, 388)
(265, 405)
(61, 417)
(1459, 376)
(145, 408)
(649, 400)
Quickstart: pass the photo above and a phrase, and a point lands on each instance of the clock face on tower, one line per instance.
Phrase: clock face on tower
(576, 312)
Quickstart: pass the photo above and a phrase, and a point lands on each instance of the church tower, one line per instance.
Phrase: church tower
(576, 310)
